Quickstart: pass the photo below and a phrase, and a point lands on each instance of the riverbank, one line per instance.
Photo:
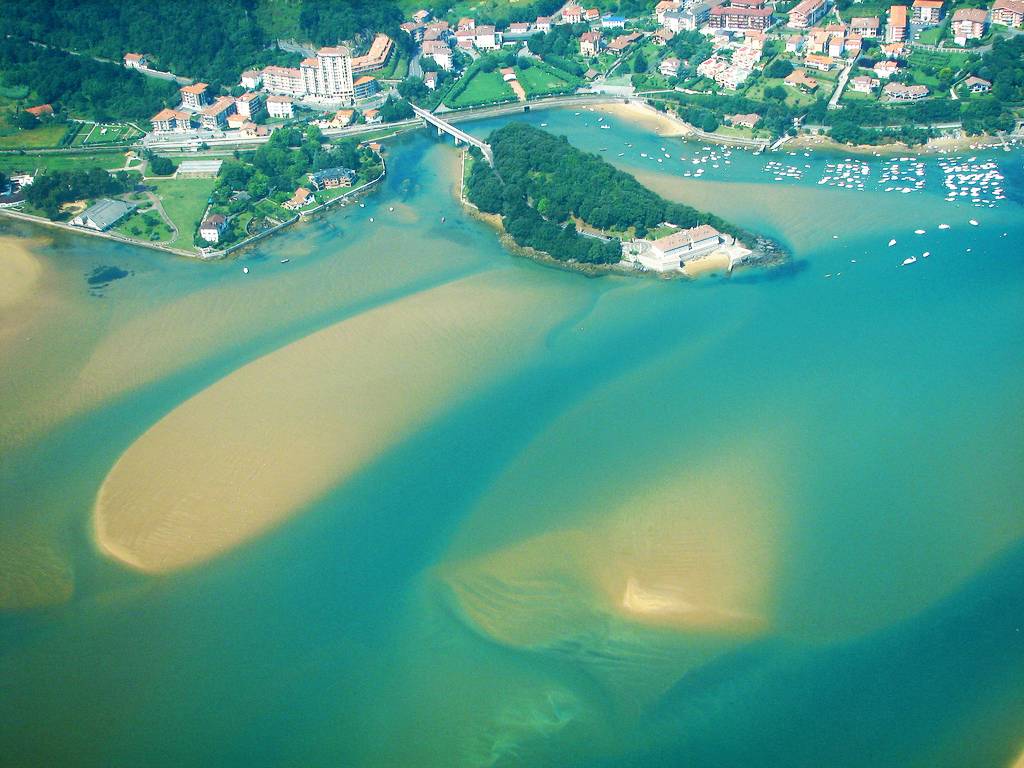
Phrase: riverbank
(939, 145)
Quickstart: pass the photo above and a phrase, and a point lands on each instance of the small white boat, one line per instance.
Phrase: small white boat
(926, 254)
(285, 261)
(892, 242)
(973, 222)
(908, 260)
(371, 219)
(943, 226)
(918, 231)
(245, 270)
(391, 209)
(361, 205)
(543, 125)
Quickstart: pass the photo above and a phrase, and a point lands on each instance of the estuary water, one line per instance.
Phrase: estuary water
(407, 499)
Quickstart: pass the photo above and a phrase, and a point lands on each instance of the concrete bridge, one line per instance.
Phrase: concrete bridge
(443, 126)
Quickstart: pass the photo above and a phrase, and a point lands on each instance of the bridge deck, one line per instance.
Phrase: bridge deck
(459, 135)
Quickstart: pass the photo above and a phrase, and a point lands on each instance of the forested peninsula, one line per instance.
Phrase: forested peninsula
(542, 187)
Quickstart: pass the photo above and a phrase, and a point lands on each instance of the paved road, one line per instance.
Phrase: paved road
(415, 70)
(833, 103)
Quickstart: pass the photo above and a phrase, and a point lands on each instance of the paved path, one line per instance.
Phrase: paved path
(415, 70)
(158, 206)
(833, 103)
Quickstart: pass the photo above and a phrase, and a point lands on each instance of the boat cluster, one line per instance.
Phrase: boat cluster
(979, 182)
(705, 158)
(849, 174)
(904, 175)
(781, 171)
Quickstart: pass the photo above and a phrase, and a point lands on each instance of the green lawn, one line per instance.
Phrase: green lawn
(482, 88)
(43, 136)
(145, 225)
(794, 97)
(91, 135)
(184, 200)
(931, 36)
(61, 162)
(539, 81)
(850, 95)
(919, 58)
(396, 69)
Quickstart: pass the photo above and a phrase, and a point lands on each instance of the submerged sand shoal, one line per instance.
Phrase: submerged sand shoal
(252, 449)
(20, 271)
(697, 552)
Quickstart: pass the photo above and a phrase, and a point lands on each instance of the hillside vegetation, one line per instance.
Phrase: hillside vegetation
(208, 41)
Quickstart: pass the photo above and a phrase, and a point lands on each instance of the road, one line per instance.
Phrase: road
(144, 70)
(415, 70)
(833, 103)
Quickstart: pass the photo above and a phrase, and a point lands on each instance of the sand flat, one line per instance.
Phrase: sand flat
(250, 450)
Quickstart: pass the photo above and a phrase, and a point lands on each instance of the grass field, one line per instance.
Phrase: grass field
(43, 136)
(145, 225)
(539, 81)
(954, 60)
(184, 200)
(794, 97)
(93, 134)
(484, 87)
(396, 69)
(62, 162)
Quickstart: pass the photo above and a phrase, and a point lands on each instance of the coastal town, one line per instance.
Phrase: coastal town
(220, 164)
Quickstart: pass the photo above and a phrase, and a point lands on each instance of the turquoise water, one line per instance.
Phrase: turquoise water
(829, 465)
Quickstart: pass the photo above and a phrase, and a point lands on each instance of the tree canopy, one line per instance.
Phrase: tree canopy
(84, 86)
(542, 185)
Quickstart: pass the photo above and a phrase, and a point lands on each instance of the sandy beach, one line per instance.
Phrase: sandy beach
(714, 262)
(646, 117)
(254, 448)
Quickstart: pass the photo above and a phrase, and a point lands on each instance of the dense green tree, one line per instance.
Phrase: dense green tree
(83, 86)
(779, 68)
(51, 190)
(540, 183)
(160, 165)
(24, 121)
(395, 109)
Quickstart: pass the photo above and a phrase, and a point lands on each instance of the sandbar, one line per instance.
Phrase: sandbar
(244, 454)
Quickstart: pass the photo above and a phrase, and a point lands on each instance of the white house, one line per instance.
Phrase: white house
(136, 61)
(212, 228)
(673, 251)
(251, 80)
(280, 106)
(487, 38)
